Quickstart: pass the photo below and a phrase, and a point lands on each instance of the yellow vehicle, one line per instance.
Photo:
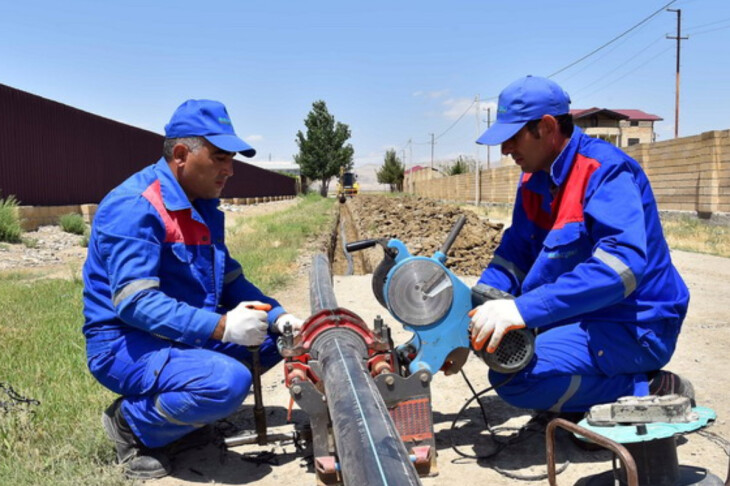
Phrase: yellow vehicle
(347, 186)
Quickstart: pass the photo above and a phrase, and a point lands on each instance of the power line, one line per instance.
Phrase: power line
(457, 121)
(612, 40)
(632, 58)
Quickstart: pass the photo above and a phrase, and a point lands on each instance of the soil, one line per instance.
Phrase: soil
(700, 357)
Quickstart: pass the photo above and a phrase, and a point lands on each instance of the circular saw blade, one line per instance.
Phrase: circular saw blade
(420, 292)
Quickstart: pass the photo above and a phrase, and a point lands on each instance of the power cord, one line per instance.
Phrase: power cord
(501, 444)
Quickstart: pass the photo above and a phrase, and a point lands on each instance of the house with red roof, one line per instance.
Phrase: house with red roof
(619, 127)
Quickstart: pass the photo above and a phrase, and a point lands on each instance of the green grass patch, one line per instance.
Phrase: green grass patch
(72, 223)
(60, 441)
(267, 246)
(10, 229)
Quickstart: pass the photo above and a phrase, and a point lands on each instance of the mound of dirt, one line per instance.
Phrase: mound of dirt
(423, 225)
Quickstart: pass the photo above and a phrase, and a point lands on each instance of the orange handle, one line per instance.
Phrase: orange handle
(263, 307)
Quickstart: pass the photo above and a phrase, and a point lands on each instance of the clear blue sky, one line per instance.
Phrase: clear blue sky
(393, 71)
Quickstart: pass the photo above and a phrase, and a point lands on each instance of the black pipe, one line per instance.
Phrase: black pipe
(369, 448)
(321, 291)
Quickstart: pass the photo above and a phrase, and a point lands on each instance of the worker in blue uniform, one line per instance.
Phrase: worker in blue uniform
(169, 315)
(586, 260)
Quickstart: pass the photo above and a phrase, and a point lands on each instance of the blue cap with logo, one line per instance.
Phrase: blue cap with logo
(208, 119)
(526, 99)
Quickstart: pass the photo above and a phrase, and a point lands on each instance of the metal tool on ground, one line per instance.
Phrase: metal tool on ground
(261, 435)
(433, 303)
(369, 425)
(642, 432)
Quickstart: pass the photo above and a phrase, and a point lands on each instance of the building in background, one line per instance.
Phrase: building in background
(622, 128)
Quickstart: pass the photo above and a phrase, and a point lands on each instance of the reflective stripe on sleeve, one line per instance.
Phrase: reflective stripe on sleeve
(623, 271)
(510, 267)
(232, 275)
(572, 388)
(170, 419)
(132, 288)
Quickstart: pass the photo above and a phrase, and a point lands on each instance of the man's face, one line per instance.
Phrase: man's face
(531, 153)
(203, 172)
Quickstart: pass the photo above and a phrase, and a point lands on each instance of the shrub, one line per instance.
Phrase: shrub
(72, 223)
(10, 229)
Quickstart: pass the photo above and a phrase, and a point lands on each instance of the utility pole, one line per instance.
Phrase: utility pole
(679, 40)
(410, 150)
(432, 142)
(489, 124)
(477, 163)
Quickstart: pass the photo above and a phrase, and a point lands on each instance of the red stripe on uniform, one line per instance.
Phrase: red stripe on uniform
(567, 206)
(180, 227)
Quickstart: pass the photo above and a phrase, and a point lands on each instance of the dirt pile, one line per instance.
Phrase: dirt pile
(423, 225)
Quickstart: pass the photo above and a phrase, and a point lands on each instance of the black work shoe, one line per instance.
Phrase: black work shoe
(668, 383)
(541, 418)
(139, 461)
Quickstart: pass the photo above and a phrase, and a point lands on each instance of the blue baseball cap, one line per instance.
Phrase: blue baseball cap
(208, 119)
(526, 99)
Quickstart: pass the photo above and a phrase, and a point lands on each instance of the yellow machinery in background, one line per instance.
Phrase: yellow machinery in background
(347, 185)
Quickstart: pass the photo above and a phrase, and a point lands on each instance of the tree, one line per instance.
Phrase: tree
(322, 151)
(461, 165)
(392, 171)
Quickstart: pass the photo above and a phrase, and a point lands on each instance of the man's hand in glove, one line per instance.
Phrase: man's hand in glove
(246, 324)
(284, 319)
(494, 318)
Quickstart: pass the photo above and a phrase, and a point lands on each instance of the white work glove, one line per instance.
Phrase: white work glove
(284, 319)
(246, 324)
(494, 318)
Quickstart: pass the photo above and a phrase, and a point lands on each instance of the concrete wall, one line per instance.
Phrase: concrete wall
(31, 217)
(687, 174)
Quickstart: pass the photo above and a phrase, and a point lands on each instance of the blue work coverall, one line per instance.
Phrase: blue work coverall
(586, 258)
(157, 279)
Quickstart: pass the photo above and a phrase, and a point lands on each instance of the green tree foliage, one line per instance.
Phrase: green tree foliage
(391, 172)
(461, 165)
(322, 150)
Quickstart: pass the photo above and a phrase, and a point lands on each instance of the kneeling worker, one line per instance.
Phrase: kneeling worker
(168, 312)
(585, 258)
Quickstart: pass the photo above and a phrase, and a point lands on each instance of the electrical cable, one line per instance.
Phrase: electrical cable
(643, 21)
(501, 444)
(457, 121)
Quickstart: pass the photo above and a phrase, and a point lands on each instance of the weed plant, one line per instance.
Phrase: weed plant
(72, 223)
(10, 229)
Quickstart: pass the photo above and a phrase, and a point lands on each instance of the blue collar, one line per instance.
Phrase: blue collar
(173, 195)
(540, 182)
(560, 168)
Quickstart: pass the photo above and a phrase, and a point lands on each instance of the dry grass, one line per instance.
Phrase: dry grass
(686, 233)
(698, 236)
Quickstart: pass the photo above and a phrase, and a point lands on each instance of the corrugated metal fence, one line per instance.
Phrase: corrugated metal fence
(52, 154)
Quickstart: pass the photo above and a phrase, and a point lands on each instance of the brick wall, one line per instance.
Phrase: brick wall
(687, 174)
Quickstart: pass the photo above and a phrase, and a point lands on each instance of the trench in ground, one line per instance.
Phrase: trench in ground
(344, 263)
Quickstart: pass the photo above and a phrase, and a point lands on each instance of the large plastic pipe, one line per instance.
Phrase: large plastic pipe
(369, 448)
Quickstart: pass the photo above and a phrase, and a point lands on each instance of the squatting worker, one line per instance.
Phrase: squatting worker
(585, 258)
(168, 312)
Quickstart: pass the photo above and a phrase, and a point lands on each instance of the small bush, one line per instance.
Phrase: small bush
(10, 229)
(30, 242)
(72, 223)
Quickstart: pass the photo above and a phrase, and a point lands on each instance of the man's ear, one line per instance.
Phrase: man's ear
(180, 153)
(549, 126)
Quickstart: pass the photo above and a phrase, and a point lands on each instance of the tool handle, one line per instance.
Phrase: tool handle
(360, 245)
(453, 234)
(263, 307)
